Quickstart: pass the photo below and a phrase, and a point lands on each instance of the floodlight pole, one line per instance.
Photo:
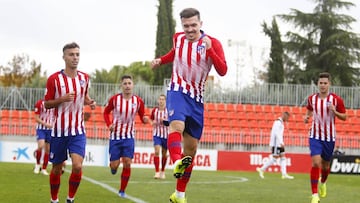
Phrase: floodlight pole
(237, 45)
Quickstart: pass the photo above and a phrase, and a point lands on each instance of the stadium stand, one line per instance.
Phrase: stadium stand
(224, 123)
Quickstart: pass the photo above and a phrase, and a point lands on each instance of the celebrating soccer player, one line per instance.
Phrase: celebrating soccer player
(193, 54)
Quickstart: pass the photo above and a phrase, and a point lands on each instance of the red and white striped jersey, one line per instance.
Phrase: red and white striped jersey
(68, 115)
(46, 115)
(323, 122)
(157, 116)
(123, 112)
(192, 64)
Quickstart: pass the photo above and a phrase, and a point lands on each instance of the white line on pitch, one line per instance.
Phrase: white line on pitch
(111, 189)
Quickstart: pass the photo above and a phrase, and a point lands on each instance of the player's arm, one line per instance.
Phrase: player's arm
(216, 53)
(141, 112)
(339, 110)
(309, 111)
(106, 114)
(307, 116)
(167, 58)
(90, 102)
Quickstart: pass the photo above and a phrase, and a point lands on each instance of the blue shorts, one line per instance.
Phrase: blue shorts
(61, 146)
(43, 135)
(160, 141)
(323, 148)
(184, 108)
(121, 148)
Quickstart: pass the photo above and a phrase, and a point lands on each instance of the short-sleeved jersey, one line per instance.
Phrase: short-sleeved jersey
(191, 65)
(159, 129)
(123, 114)
(323, 122)
(46, 115)
(68, 115)
(277, 133)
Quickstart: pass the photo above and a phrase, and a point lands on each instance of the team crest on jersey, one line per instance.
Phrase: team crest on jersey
(200, 49)
(133, 106)
(82, 83)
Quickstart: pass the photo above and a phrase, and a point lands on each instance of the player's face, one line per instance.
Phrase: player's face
(127, 86)
(191, 27)
(71, 57)
(162, 101)
(324, 85)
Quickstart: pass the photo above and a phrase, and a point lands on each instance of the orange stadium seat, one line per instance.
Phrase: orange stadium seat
(268, 108)
(210, 107)
(221, 107)
(258, 108)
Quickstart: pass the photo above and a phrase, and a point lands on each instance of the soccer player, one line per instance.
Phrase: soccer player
(158, 116)
(44, 121)
(193, 54)
(277, 147)
(67, 92)
(324, 107)
(124, 107)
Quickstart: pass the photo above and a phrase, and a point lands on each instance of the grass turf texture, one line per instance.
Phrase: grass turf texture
(19, 184)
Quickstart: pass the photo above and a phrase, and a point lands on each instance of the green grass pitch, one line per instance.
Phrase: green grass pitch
(19, 184)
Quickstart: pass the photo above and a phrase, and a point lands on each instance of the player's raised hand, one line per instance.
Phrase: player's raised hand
(155, 63)
(207, 41)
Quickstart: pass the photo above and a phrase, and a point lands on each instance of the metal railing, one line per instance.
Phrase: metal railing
(275, 94)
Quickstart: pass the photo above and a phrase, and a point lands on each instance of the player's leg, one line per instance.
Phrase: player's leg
(115, 154)
(284, 174)
(77, 153)
(127, 154)
(163, 157)
(190, 147)
(157, 147)
(272, 159)
(46, 152)
(315, 152)
(38, 153)
(58, 147)
(325, 166)
(177, 107)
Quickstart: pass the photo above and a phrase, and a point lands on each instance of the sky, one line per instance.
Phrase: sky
(119, 32)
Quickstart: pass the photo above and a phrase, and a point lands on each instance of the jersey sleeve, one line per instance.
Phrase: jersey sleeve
(216, 53)
(37, 109)
(141, 111)
(340, 107)
(109, 107)
(50, 88)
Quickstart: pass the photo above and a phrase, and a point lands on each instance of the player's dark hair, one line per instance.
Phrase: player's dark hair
(71, 45)
(189, 12)
(126, 77)
(325, 75)
(162, 95)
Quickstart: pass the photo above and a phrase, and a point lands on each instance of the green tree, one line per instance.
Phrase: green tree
(323, 42)
(165, 31)
(140, 71)
(19, 71)
(276, 65)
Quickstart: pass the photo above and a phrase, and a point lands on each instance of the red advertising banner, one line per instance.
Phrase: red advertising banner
(248, 161)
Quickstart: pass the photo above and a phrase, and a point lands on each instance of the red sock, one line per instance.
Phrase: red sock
(156, 163)
(125, 176)
(54, 185)
(46, 160)
(163, 163)
(182, 182)
(314, 178)
(174, 146)
(74, 182)
(324, 175)
(38, 155)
